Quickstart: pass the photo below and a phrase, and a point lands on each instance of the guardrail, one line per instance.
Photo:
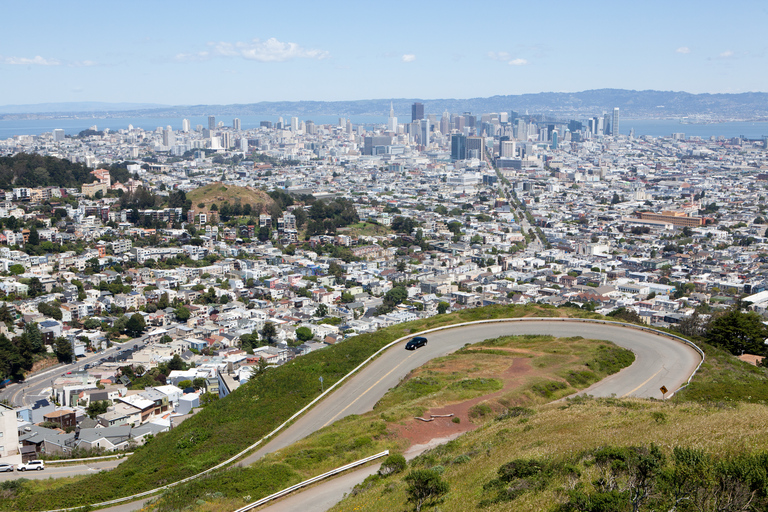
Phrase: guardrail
(67, 461)
(364, 363)
(305, 483)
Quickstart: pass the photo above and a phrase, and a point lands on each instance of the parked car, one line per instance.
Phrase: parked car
(36, 465)
(6, 468)
(413, 344)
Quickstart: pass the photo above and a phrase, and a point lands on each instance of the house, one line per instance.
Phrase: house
(9, 436)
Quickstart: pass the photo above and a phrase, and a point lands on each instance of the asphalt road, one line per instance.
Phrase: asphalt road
(659, 361)
(38, 386)
(59, 471)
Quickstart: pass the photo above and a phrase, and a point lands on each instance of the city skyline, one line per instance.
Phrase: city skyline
(188, 53)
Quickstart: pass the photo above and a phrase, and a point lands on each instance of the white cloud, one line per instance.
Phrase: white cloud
(37, 60)
(683, 49)
(507, 57)
(408, 57)
(726, 54)
(270, 50)
(83, 63)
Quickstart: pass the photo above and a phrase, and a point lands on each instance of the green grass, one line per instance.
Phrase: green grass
(443, 381)
(228, 426)
(724, 378)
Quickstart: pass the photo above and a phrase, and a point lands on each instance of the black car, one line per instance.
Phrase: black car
(413, 344)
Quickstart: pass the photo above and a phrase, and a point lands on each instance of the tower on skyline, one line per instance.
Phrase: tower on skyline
(417, 111)
(615, 122)
(211, 123)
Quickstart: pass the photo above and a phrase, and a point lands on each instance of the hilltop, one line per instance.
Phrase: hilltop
(219, 193)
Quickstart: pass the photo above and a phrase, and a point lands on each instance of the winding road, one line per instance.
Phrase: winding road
(659, 361)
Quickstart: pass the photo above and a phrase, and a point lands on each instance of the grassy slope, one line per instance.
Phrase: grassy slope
(560, 433)
(230, 425)
(722, 413)
(468, 373)
(219, 193)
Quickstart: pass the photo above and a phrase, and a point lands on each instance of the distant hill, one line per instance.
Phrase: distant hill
(633, 104)
(82, 106)
(218, 193)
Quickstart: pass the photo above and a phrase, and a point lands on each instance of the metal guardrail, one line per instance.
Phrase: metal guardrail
(305, 483)
(67, 461)
(360, 366)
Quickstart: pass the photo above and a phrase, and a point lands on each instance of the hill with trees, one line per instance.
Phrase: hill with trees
(32, 170)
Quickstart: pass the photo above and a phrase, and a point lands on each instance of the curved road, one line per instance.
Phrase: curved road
(659, 361)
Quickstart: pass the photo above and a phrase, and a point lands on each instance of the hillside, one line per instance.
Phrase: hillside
(33, 170)
(218, 194)
(227, 426)
(634, 104)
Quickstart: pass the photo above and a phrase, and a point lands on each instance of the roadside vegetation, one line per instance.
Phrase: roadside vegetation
(474, 372)
(598, 455)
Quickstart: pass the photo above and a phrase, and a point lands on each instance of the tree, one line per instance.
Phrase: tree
(442, 307)
(269, 332)
(182, 314)
(16, 269)
(304, 334)
(199, 383)
(64, 352)
(135, 326)
(177, 363)
(424, 485)
(738, 332)
(321, 310)
(34, 236)
(97, 407)
(91, 323)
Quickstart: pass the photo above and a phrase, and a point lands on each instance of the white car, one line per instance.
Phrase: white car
(37, 465)
(6, 468)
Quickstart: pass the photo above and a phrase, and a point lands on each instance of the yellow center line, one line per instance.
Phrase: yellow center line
(644, 383)
(367, 390)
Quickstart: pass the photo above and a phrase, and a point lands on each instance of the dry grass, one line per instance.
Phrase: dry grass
(562, 432)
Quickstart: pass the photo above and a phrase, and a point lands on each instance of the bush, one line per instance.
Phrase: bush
(393, 464)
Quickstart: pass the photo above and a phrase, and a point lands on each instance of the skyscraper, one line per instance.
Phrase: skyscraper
(424, 132)
(458, 147)
(169, 139)
(615, 123)
(236, 124)
(58, 135)
(417, 111)
(392, 121)
(211, 122)
(185, 125)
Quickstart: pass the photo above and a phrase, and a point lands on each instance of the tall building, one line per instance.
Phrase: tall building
(236, 124)
(445, 123)
(615, 123)
(294, 124)
(424, 135)
(458, 147)
(392, 121)
(211, 123)
(475, 147)
(417, 111)
(169, 139)
(554, 140)
(185, 125)
(58, 135)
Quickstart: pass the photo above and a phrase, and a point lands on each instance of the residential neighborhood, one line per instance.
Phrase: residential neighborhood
(305, 235)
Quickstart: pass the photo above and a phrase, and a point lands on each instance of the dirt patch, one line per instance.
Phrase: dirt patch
(419, 432)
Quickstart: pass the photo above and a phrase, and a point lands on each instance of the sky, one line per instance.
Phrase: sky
(192, 52)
